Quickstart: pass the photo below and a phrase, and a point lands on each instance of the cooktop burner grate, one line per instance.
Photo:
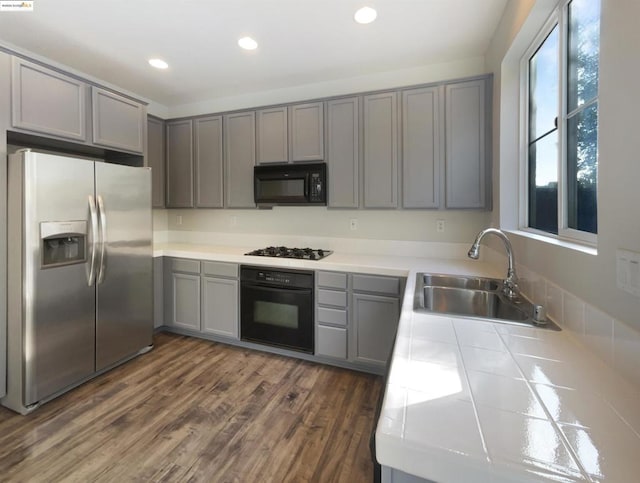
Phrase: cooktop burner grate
(285, 252)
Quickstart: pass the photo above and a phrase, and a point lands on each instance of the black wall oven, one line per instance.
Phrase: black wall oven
(276, 307)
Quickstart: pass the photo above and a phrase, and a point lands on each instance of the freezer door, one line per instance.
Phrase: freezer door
(58, 302)
(124, 321)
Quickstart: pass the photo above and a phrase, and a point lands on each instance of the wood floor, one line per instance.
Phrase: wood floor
(193, 410)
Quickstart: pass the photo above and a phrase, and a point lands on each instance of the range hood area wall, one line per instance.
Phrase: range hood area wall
(404, 225)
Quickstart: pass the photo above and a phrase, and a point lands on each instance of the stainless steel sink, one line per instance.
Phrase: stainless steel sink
(474, 297)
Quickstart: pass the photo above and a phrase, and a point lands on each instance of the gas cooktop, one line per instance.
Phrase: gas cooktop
(284, 252)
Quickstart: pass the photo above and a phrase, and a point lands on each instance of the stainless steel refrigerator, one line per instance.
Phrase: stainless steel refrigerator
(80, 295)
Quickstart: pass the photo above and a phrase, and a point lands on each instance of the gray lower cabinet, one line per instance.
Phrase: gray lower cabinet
(239, 159)
(306, 132)
(422, 147)
(332, 316)
(118, 122)
(182, 293)
(209, 179)
(179, 164)
(343, 152)
(155, 159)
(220, 299)
(158, 292)
(375, 321)
(466, 160)
(47, 101)
(380, 151)
(271, 135)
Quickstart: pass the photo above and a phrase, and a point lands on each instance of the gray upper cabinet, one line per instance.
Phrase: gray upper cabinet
(239, 159)
(422, 148)
(465, 144)
(118, 122)
(306, 132)
(48, 102)
(343, 152)
(271, 137)
(209, 180)
(380, 151)
(179, 164)
(155, 159)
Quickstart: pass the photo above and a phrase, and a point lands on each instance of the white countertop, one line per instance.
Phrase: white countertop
(471, 401)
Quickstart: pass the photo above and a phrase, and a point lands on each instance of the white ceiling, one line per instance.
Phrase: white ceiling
(300, 41)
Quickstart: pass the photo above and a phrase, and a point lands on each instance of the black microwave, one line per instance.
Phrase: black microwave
(290, 184)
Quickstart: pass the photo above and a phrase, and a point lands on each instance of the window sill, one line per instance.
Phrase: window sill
(589, 250)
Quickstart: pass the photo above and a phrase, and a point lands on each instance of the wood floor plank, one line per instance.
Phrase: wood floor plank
(197, 411)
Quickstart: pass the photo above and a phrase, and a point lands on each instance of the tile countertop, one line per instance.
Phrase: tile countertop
(488, 402)
(484, 402)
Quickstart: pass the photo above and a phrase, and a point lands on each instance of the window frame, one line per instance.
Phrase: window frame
(559, 17)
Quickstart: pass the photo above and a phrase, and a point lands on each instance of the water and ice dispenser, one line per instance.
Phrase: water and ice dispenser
(63, 243)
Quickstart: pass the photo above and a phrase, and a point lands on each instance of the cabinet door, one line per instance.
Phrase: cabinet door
(465, 144)
(179, 164)
(220, 306)
(118, 122)
(47, 102)
(375, 321)
(208, 154)
(343, 152)
(239, 159)
(306, 132)
(380, 151)
(155, 159)
(158, 292)
(272, 135)
(421, 148)
(186, 301)
(331, 342)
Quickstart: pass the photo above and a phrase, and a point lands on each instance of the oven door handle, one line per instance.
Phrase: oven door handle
(271, 288)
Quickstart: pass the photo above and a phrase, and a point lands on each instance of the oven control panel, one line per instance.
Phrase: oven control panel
(277, 277)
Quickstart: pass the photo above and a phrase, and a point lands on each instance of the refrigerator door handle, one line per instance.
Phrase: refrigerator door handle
(103, 239)
(93, 220)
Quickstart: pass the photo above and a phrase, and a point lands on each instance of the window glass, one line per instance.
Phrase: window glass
(582, 170)
(543, 87)
(543, 183)
(583, 52)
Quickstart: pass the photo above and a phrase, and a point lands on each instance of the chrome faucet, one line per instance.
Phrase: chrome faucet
(510, 284)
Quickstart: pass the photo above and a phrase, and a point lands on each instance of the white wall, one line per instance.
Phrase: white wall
(407, 225)
(590, 277)
(370, 82)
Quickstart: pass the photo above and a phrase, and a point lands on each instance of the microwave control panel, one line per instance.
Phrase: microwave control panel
(316, 188)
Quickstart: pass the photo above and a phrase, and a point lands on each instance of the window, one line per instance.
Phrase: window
(560, 71)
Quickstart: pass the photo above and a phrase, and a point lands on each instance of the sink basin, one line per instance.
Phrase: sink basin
(473, 297)
(453, 281)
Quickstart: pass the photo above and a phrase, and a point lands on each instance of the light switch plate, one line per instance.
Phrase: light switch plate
(628, 271)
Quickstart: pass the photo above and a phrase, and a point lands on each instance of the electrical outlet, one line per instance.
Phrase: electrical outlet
(440, 226)
(353, 224)
(179, 219)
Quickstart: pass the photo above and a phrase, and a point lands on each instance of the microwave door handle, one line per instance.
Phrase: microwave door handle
(306, 186)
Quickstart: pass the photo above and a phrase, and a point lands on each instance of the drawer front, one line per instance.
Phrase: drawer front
(220, 269)
(332, 316)
(332, 280)
(331, 297)
(374, 284)
(184, 265)
(331, 342)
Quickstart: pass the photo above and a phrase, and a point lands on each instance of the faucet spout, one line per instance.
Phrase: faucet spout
(511, 282)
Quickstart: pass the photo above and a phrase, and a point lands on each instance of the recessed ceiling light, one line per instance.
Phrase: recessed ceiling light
(248, 43)
(158, 63)
(365, 15)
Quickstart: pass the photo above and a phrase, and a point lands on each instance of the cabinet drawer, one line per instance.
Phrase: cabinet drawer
(332, 280)
(331, 342)
(332, 316)
(374, 284)
(184, 265)
(220, 269)
(331, 297)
